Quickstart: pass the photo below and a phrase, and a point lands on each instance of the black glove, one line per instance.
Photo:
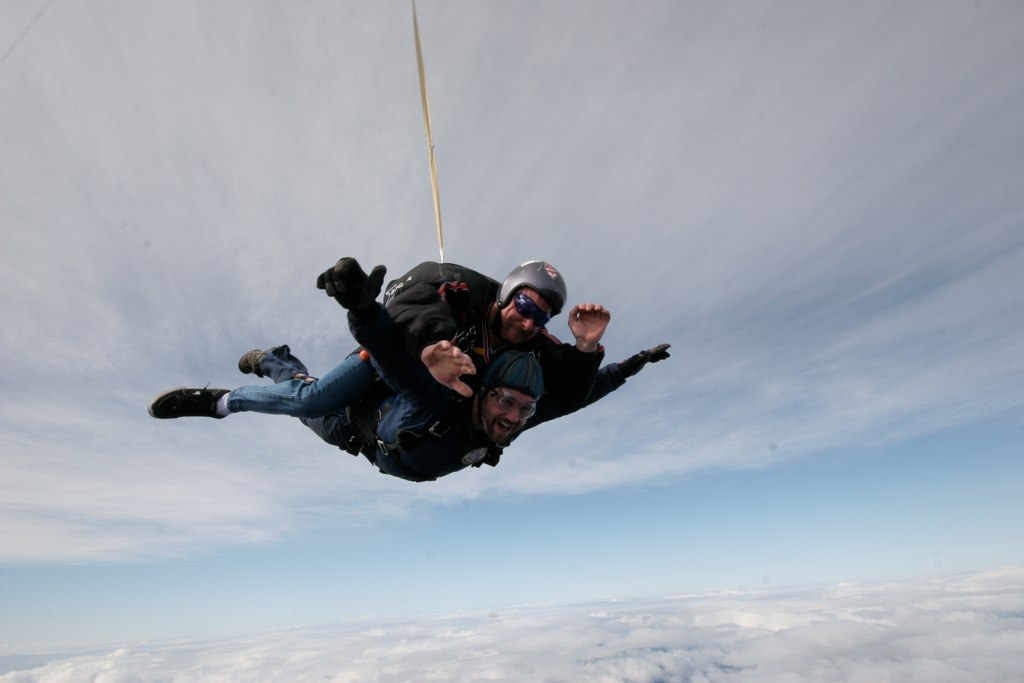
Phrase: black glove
(634, 364)
(350, 286)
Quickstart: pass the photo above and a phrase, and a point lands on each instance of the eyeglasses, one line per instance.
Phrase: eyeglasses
(505, 401)
(528, 308)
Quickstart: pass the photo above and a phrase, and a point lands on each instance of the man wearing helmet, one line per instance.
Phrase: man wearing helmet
(417, 430)
(409, 425)
(444, 306)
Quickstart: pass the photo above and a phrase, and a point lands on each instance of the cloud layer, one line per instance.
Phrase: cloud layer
(949, 629)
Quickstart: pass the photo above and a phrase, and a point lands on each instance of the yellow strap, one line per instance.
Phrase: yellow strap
(430, 141)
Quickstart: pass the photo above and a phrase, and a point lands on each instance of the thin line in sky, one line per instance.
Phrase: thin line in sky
(27, 30)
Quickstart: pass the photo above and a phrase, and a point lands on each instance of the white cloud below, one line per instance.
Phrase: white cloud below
(939, 629)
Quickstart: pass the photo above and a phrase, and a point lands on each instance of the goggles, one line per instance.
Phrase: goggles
(528, 308)
(507, 402)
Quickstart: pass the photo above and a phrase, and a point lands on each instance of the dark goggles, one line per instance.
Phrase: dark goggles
(507, 402)
(528, 308)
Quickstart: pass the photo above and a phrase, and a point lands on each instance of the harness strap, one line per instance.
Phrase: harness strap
(364, 421)
(409, 439)
(363, 418)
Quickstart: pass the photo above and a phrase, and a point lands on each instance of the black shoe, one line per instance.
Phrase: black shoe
(249, 363)
(185, 402)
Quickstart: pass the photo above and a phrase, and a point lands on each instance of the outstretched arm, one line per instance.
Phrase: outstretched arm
(635, 363)
(609, 378)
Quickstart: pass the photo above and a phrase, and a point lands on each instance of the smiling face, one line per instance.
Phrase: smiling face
(503, 413)
(517, 328)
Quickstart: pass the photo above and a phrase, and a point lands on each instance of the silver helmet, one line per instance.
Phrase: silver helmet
(539, 276)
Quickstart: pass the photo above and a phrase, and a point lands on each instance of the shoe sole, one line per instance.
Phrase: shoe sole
(156, 399)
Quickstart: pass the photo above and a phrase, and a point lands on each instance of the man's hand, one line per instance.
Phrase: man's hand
(635, 363)
(350, 286)
(446, 364)
(587, 322)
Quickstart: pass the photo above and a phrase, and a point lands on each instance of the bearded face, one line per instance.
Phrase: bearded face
(504, 412)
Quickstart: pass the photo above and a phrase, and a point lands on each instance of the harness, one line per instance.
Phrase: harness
(365, 416)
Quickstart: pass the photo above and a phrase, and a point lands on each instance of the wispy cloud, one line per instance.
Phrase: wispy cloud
(819, 206)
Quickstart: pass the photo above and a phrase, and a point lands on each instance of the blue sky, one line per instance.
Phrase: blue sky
(818, 205)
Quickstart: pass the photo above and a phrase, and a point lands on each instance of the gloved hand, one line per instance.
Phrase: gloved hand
(634, 364)
(350, 286)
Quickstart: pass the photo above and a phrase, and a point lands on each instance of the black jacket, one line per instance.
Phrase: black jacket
(446, 301)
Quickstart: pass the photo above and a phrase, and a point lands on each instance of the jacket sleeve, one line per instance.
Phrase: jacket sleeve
(569, 374)
(609, 378)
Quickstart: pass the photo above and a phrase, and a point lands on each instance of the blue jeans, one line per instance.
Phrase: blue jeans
(351, 378)
(302, 396)
(320, 403)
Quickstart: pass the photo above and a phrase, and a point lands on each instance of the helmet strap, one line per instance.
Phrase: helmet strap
(478, 400)
(494, 326)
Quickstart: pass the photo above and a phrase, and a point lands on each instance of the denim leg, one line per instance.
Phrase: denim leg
(342, 386)
(279, 364)
(421, 399)
(333, 429)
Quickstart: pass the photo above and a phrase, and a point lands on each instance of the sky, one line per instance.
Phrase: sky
(820, 205)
